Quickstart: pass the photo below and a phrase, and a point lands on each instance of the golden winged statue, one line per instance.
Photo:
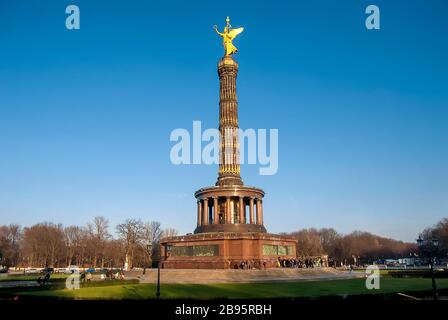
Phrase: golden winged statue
(227, 37)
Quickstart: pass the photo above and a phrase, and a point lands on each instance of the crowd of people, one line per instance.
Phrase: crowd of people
(109, 274)
(299, 263)
(280, 263)
(248, 264)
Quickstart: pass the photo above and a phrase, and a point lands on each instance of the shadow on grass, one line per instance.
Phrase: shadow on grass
(306, 290)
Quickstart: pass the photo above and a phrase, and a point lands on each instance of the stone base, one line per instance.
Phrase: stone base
(226, 250)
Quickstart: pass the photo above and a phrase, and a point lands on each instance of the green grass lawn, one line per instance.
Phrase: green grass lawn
(32, 277)
(240, 290)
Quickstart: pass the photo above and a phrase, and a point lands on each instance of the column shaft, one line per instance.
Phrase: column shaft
(229, 157)
(199, 213)
(241, 210)
(258, 211)
(228, 212)
(251, 210)
(215, 208)
(206, 211)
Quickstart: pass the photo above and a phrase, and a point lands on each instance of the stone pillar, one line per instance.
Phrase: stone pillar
(206, 211)
(258, 204)
(216, 209)
(228, 212)
(199, 213)
(229, 156)
(251, 210)
(241, 210)
(261, 212)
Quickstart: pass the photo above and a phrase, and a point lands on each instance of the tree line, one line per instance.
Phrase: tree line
(136, 244)
(357, 247)
(53, 245)
(363, 247)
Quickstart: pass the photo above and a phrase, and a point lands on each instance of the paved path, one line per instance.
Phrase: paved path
(240, 276)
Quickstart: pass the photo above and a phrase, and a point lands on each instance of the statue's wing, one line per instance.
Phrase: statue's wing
(234, 32)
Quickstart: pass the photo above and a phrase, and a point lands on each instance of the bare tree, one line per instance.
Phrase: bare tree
(10, 239)
(44, 244)
(73, 236)
(98, 233)
(130, 233)
(152, 232)
(113, 253)
(169, 232)
(308, 243)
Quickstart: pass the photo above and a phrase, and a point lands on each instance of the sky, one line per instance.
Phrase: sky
(86, 115)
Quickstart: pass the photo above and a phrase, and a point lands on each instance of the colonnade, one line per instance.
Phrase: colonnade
(230, 210)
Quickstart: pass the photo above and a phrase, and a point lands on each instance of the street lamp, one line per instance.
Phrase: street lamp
(168, 248)
(149, 246)
(420, 242)
(158, 277)
(429, 247)
(166, 251)
(435, 242)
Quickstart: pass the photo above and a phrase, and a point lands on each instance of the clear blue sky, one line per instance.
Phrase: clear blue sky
(85, 116)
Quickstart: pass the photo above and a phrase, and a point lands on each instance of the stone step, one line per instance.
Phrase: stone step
(239, 276)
